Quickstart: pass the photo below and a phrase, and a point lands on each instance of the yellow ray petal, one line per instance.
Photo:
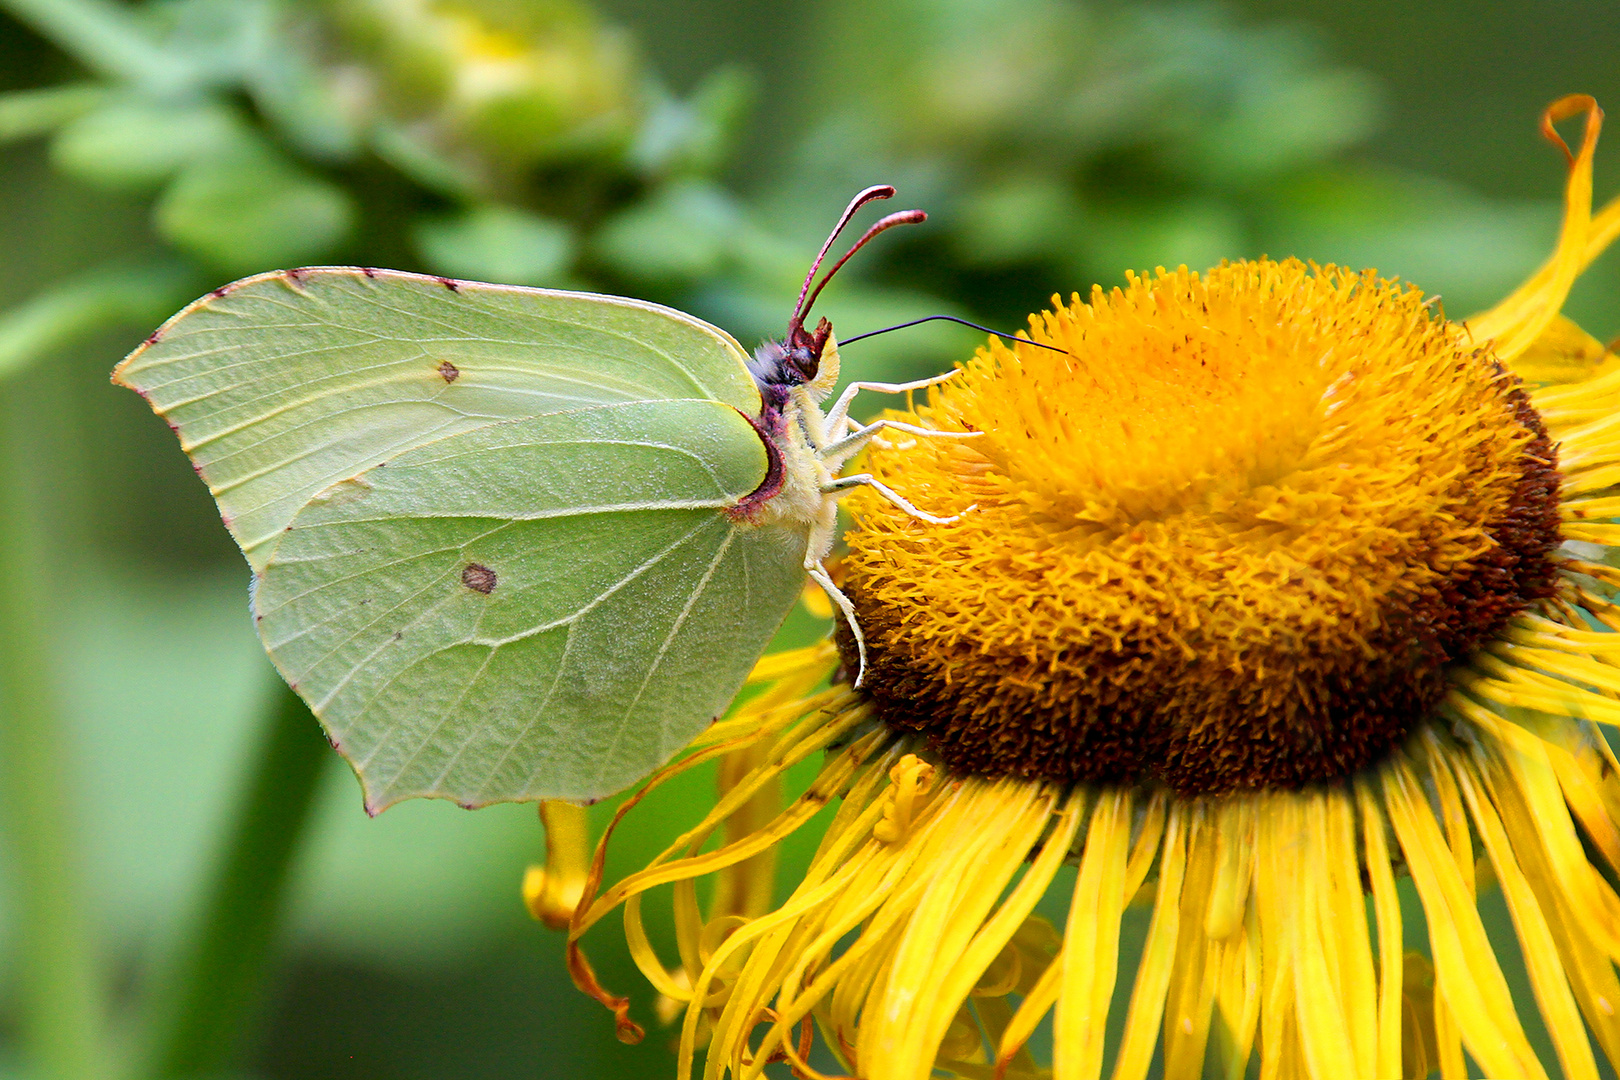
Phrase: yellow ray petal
(1466, 973)
(1591, 974)
(1281, 1055)
(1145, 849)
(1191, 990)
(1419, 1054)
(1158, 955)
(1234, 837)
(747, 888)
(972, 941)
(1517, 321)
(1540, 953)
(1590, 784)
(1295, 829)
(811, 658)
(1036, 1004)
(1517, 688)
(1588, 895)
(1345, 920)
(830, 783)
(1578, 402)
(552, 892)
(1091, 941)
(1564, 354)
(996, 932)
(1237, 998)
(1452, 814)
(1387, 911)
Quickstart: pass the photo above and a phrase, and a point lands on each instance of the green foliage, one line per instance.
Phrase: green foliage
(27, 113)
(497, 243)
(70, 308)
(252, 208)
(140, 145)
(1059, 144)
(486, 139)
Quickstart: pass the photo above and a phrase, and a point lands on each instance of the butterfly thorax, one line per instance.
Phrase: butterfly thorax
(793, 376)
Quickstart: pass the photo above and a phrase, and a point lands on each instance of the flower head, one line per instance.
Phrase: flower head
(1230, 539)
(1280, 586)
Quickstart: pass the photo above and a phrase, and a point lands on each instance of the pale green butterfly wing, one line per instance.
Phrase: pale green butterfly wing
(546, 608)
(283, 384)
(487, 521)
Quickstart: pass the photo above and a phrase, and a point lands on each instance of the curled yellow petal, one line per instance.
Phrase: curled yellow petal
(552, 892)
(1516, 322)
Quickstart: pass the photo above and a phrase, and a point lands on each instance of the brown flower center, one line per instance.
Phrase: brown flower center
(1231, 540)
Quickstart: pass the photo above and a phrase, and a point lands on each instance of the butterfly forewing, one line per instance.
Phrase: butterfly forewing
(543, 608)
(284, 384)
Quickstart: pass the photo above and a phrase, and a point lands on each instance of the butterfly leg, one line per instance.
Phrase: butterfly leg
(818, 574)
(838, 415)
(836, 453)
(845, 484)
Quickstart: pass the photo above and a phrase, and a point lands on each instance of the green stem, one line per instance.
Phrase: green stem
(27, 113)
(63, 1011)
(214, 989)
(106, 37)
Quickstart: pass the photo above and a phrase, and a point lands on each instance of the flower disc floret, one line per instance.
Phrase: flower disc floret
(1230, 537)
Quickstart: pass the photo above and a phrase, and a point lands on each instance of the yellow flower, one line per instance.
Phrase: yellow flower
(1279, 587)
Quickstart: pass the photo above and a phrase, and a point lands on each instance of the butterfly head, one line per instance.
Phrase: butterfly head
(793, 361)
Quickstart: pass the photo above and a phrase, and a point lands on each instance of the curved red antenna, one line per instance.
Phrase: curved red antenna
(903, 217)
(876, 191)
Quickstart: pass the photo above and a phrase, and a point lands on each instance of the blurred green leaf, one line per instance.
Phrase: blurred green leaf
(69, 309)
(26, 113)
(1196, 232)
(424, 164)
(1273, 128)
(1446, 240)
(1021, 218)
(696, 134)
(287, 73)
(684, 231)
(497, 243)
(492, 84)
(140, 144)
(253, 210)
(206, 1003)
(421, 883)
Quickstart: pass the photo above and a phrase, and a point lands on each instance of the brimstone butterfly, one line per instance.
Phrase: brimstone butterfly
(509, 543)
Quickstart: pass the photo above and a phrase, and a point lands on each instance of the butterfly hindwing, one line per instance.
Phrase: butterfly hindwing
(543, 608)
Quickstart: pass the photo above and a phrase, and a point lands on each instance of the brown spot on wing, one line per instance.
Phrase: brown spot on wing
(448, 371)
(450, 283)
(478, 577)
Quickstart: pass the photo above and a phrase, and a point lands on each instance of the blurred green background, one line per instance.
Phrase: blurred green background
(687, 151)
